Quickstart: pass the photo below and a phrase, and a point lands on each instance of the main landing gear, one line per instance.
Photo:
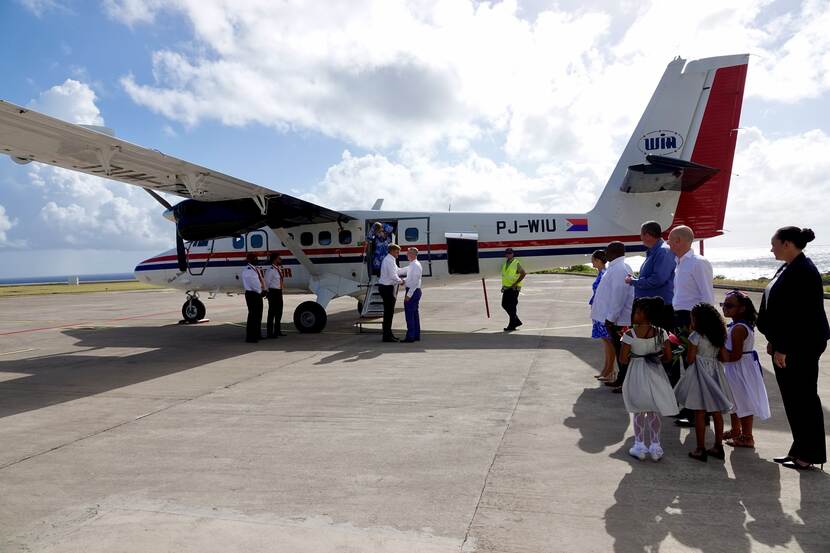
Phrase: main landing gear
(193, 309)
(310, 317)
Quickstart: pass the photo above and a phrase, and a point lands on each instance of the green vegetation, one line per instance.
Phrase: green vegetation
(41, 289)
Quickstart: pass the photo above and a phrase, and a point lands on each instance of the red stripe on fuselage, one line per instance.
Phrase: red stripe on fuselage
(599, 240)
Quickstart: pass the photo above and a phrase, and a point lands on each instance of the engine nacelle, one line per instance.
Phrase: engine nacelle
(197, 220)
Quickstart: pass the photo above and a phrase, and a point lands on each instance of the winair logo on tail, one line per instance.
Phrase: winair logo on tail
(660, 142)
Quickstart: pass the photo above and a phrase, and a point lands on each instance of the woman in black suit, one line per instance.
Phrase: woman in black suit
(793, 320)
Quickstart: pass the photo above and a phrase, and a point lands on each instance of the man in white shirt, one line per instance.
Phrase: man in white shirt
(273, 283)
(692, 285)
(386, 287)
(253, 284)
(692, 275)
(616, 299)
(412, 299)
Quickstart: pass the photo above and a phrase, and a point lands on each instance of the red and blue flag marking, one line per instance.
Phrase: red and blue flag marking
(577, 225)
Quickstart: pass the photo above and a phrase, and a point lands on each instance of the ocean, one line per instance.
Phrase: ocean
(63, 279)
(749, 263)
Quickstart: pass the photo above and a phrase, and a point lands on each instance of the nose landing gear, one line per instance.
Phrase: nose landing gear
(193, 309)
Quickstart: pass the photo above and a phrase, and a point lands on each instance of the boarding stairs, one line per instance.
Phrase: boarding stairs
(372, 304)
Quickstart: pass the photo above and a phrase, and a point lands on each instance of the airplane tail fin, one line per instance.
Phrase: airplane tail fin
(677, 165)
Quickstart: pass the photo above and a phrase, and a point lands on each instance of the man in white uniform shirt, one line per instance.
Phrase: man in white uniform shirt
(412, 299)
(273, 283)
(616, 299)
(693, 284)
(386, 286)
(253, 284)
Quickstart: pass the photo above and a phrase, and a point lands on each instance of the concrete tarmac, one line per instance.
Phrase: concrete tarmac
(121, 431)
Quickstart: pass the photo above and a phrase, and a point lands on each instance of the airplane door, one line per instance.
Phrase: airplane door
(414, 232)
(258, 243)
(462, 253)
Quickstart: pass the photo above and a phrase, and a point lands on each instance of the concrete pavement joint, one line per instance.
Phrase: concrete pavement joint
(530, 367)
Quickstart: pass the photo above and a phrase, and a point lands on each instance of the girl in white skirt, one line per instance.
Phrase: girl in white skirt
(743, 370)
(703, 387)
(646, 390)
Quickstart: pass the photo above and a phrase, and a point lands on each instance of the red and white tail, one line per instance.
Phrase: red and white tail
(677, 165)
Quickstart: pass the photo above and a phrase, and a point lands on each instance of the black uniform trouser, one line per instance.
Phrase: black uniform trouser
(799, 392)
(274, 318)
(510, 303)
(254, 326)
(682, 329)
(387, 292)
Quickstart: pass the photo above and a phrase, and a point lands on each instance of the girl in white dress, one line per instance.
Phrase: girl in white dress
(703, 387)
(646, 390)
(743, 370)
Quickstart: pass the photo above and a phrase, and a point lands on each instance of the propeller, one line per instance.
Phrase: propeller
(181, 252)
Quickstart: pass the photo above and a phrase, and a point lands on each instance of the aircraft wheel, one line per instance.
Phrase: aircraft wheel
(310, 317)
(359, 307)
(193, 310)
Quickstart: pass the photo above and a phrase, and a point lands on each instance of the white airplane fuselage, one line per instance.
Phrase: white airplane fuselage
(541, 241)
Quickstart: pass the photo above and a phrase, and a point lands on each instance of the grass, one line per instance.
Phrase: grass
(43, 289)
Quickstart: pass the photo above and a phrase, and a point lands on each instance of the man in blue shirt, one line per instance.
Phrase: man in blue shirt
(657, 272)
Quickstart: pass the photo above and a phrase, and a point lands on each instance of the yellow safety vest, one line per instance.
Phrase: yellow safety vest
(510, 273)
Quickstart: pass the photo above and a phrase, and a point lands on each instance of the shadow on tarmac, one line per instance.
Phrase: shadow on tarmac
(678, 497)
(90, 370)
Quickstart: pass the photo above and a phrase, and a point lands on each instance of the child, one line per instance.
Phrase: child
(743, 371)
(599, 331)
(703, 388)
(646, 389)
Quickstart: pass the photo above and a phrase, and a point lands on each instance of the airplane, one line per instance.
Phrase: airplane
(675, 169)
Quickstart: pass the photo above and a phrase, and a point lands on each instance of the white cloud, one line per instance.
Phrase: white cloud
(39, 7)
(6, 223)
(71, 101)
(83, 211)
(779, 181)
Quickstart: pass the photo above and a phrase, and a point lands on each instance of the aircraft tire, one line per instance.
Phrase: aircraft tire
(359, 307)
(310, 317)
(193, 310)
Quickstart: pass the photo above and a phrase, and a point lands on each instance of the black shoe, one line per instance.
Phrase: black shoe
(518, 323)
(716, 452)
(251, 341)
(509, 328)
(390, 339)
(783, 459)
(617, 390)
(417, 339)
(282, 334)
(698, 456)
(795, 465)
(685, 423)
(407, 341)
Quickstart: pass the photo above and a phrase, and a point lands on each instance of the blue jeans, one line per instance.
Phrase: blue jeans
(413, 321)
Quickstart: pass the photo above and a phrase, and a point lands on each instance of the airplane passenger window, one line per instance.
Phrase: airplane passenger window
(345, 237)
(239, 242)
(324, 238)
(201, 243)
(411, 234)
(306, 239)
(256, 241)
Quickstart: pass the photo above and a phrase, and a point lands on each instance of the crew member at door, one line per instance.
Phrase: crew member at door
(512, 275)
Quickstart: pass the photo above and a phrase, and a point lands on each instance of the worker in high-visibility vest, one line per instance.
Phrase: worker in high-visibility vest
(512, 275)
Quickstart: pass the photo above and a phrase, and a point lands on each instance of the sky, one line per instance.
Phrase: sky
(481, 106)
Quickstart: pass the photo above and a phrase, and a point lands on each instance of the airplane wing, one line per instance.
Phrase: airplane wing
(27, 135)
